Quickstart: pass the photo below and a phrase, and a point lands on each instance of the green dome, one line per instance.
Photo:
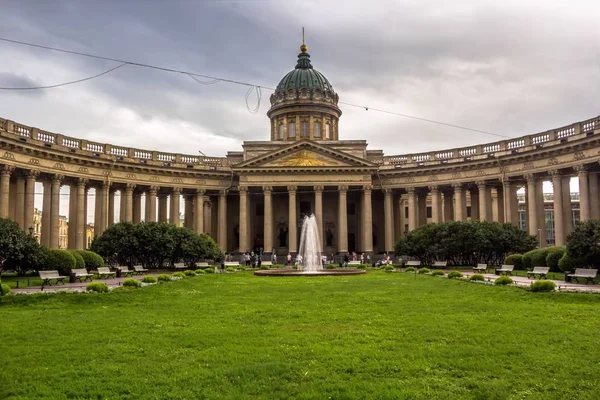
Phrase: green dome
(304, 76)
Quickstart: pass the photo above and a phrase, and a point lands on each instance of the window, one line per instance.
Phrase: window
(280, 131)
(292, 129)
(327, 131)
(469, 212)
(317, 129)
(429, 212)
(405, 212)
(305, 131)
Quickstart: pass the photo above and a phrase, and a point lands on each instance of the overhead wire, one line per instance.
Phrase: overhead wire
(214, 79)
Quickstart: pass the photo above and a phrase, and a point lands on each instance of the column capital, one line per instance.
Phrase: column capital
(457, 185)
(343, 188)
(56, 178)
(530, 178)
(32, 173)
(555, 173)
(223, 192)
(387, 191)
(481, 184)
(82, 181)
(318, 189)
(581, 169)
(243, 189)
(7, 170)
(153, 190)
(200, 192)
(434, 188)
(292, 189)
(129, 187)
(411, 190)
(267, 189)
(367, 188)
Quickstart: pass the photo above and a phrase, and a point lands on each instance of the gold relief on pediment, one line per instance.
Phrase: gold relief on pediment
(305, 158)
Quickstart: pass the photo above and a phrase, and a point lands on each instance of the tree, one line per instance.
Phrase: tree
(584, 243)
(117, 245)
(19, 251)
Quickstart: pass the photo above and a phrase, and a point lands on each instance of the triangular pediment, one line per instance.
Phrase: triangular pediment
(305, 154)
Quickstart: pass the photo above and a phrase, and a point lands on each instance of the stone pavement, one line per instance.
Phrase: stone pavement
(524, 281)
(76, 287)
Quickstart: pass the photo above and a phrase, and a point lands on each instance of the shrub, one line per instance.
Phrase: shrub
(554, 256)
(200, 272)
(389, 268)
(98, 287)
(79, 261)
(331, 266)
(264, 267)
(149, 279)
(60, 260)
(4, 289)
(454, 274)
(92, 260)
(242, 268)
(409, 269)
(568, 263)
(179, 275)
(582, 243)
(528, 259)
(164, 278)
(477, 277)
(539, 257)
(131, 283)
(230, 269)
(424, 270)
(543, 286)
(189, 272)
(438, 272)
(503, 280)
(210, 270)
(361, 266)
(514, 259)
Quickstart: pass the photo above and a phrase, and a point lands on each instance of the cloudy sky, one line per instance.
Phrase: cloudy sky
(510, 67)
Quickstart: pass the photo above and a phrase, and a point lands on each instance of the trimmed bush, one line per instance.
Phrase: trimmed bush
(179, 275)
(362, 266)
(4, 289)
(263, 267)
(477, 277)
(438, 272)
(454, 275)
(331, 266)
(230, 269)
(164, 278)
(554, 256)
(568, 263)
(79, 262)
(131, 283)
(543, 286)
(528, 259)
(388, 268)
(503, 280)
(539, 257)
(189, 272)
(409, 269)
(149, 279)
(92, 260)
(242, 268)
(210, 270)
(200, 272)
(98, 287)
(424, 271)
(514, 259)
(60, 260)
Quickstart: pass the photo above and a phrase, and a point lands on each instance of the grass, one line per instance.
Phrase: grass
(236, 336)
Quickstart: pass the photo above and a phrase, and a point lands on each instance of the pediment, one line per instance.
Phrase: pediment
(304, 155)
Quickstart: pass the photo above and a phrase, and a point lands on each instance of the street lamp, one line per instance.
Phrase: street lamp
(540, 238)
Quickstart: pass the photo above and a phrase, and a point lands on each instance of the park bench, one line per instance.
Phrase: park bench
(139, 269)
(81, 273)
(588, 274)
(202, 265)
(125, 271)
(413, 264)
(541, 271)
(48, 276)
(480, 268)
(105, 272)
(353, 262)
(179, 266)
(236, 264)
(266, 263)
(505, 269)
(440, 264)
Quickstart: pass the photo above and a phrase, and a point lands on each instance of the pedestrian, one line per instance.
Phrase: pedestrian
(288, 260)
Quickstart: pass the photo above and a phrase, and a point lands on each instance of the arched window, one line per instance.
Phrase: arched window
(317, 129)
(281, 130)
(327, 131)
(292, 129)
(305, 131)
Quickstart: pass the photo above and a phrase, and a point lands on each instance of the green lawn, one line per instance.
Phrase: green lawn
(236, 336)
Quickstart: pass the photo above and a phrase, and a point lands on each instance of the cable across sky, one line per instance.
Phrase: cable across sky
(212, 80)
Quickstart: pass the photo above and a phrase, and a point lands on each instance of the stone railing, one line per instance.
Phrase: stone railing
(102, 150)
(505, 147)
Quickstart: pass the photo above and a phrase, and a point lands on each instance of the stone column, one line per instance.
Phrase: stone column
(222, 223)
(412, 209)
(151, 204)
(567, 205)
(199, 211)
(532, 220)
(484, 201)
(319, 213)
(137, 208)
(541, 213)
(499, 204)
(584, 193)
(54, 212)
(5, 172)
(174, 212)
(459, 202)
(367, 213)
(127, 203)
(243, 219)
(293, 221)
(559, 218)
(72, 231)
(29, 199)
(511, 212)
(268, 242)
(162, 207)
(111, 208)
(20, 200)
(105, 215)
(436, 204)
(98, 211)
(594, 195)
(448, 207)
(421, 208)
(343, 220)
(46, 213)
(402, 217)
(81, 217)
(388, 211)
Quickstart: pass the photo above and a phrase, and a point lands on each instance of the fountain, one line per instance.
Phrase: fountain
(309, 260)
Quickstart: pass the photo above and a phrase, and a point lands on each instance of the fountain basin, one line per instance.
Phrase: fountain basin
(294, 272)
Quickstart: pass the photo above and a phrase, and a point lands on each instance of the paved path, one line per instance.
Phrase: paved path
(524, 281)
(78, 286)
